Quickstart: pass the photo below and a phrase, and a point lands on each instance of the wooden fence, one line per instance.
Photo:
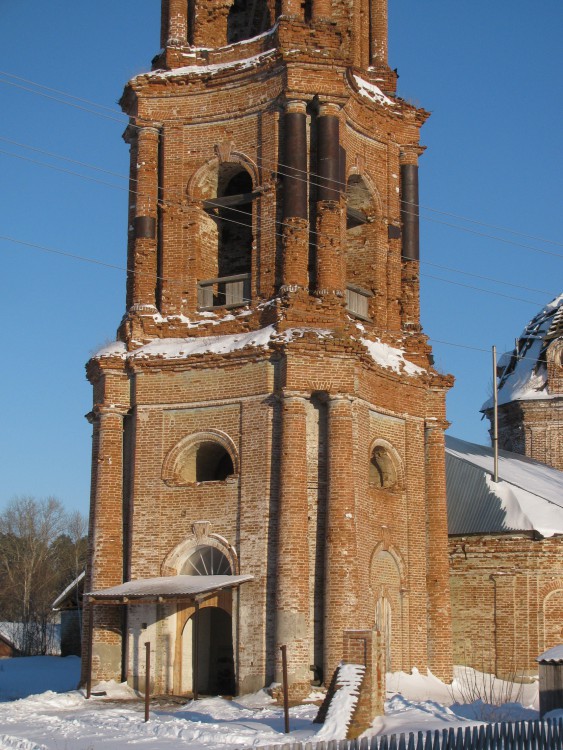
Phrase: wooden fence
(522, 735)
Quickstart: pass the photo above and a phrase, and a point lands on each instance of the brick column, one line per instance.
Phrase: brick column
(379, 32)
(410, 241)
(329, 224)
(322, 9)
(295, 197)
(174, 23)
(440, 658)
(105, 567)
(145, 224)
(293, 8)
(341, 595)
(292, 595)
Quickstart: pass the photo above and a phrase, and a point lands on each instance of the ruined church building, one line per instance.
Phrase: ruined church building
(268, 428)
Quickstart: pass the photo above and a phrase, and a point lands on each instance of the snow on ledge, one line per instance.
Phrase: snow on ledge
(390, 357)
(372, 92)
(195, 70)
(182, 348)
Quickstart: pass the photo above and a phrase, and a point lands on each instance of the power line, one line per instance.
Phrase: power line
(233, 209)
(280, 164)
(178, 281)
(58, 91)
(487, 291)
(94, 261)
(487, 278)
(64, 171)
(278, 234)
(75, 256)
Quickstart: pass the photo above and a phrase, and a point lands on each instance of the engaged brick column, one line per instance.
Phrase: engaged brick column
(508, 661)
(379, 32)
(340, 561)
(292, 595)
(295, 199)
(440, 657)
(329, 224)
(145, 253)
(293, 8)
(174, 23)
(106, 539)
(322, 9)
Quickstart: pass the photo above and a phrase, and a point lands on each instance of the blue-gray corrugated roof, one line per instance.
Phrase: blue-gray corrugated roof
(475, 504)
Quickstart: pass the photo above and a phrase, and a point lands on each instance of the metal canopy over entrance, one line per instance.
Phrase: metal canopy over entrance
(167, 587)
(204, 661)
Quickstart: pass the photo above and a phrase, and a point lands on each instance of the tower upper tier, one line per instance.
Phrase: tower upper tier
(204, 31)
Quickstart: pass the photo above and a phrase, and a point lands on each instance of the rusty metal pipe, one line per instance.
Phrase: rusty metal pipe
(328, 158)
(410, 212)
(295, 165)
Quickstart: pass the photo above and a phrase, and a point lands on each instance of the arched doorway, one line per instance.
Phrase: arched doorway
(207, 654)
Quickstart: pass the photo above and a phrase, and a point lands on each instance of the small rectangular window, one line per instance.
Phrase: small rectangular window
(357, 300)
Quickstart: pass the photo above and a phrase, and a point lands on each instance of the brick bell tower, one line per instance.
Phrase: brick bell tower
(269, 409)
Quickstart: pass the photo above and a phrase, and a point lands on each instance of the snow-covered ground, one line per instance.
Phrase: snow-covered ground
(51, 715)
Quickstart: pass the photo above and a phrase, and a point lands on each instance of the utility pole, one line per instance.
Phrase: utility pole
(495, 416)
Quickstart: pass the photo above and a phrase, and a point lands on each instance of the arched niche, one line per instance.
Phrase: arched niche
(388, 587)
(209, 456)
(385, 466)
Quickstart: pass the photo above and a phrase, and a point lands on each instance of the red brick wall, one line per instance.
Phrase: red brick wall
(507, 594)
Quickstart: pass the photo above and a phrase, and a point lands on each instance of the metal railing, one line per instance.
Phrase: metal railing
(224, 291)
(521, 735)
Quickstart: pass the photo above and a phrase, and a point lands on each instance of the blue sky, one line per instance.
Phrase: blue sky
(490, 73)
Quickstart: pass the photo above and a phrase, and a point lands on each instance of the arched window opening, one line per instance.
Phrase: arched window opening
(232, 212)
(206, 561)
(207, 461)
(212, 463)
(359, 251)
(382, 470)
(246, 20)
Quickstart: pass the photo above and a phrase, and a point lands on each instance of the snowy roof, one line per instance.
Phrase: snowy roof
(181, 348)
(527, 497)
(169, 587)
(553, 655)
(523, 372)
(71, 586)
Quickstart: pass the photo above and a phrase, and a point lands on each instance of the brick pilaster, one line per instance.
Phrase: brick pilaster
(292, 595)
(145, 255)
(440, 659)
(340, 561)
(105, 567)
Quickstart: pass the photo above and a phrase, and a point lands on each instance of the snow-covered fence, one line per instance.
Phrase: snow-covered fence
(523, 735)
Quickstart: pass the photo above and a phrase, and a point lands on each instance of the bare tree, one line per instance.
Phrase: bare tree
(41, 551)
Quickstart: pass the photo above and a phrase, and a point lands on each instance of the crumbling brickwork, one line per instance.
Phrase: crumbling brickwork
(272, 327)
